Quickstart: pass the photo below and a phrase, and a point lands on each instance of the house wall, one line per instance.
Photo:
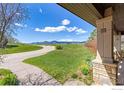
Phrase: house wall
(117, 46)
(117, 41)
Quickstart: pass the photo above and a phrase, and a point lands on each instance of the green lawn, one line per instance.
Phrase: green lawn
(61, 64)
(19, 48)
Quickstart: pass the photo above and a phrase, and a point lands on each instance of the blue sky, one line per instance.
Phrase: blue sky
(50, 22)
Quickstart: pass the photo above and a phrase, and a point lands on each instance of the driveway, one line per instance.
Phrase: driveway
(26, 73)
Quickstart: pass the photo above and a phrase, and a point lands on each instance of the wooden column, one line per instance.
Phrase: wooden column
(105, 39)
(104, 69)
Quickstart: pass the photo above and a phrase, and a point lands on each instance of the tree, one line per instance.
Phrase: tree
(9, 15)
(92, 42)
(12, 40)
(92, 35)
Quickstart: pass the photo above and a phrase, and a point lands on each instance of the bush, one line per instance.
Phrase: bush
(80, 78)
(85, 70)
(88, 80)
(74, 76)
(4, 72)
(7, 78)
(59, 47)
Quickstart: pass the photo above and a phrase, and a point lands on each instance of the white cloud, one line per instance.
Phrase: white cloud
(51, 29)
(17, 24)
(80, 31)
(62, 28)
(20, 25)
(41, 10)
(65, 22)
(17, 13)
(66, 40)
(76, 29)
(70, 29)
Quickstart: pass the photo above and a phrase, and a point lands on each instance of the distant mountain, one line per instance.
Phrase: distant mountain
(59, 42)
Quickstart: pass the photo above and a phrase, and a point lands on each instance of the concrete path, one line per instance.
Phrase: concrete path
(26, 73)
(74, 82)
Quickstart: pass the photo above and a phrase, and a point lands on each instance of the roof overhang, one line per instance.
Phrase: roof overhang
(86, 11)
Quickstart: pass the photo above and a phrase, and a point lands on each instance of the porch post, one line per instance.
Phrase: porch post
(104, 69)
(105, 40)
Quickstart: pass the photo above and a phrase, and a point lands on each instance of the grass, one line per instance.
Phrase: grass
(5, 72)
(7, 77)
(62, 64)
(16, 48)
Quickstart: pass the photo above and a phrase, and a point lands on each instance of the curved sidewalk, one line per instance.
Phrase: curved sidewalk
(26, 72)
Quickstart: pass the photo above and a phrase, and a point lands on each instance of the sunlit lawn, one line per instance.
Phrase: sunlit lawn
(61, 64)
(16, 48)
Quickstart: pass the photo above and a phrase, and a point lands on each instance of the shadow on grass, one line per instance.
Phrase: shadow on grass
(11, 46)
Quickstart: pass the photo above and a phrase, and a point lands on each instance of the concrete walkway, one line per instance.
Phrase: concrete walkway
(74, 82)
(26, 73)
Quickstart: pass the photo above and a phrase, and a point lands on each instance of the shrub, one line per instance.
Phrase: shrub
(59, 47)
(4, 72)
(88, 80)
(85, 70)
(7, 78)
(80, 78)
(74, 76)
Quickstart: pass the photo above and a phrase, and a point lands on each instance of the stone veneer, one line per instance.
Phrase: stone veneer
(104, 73)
